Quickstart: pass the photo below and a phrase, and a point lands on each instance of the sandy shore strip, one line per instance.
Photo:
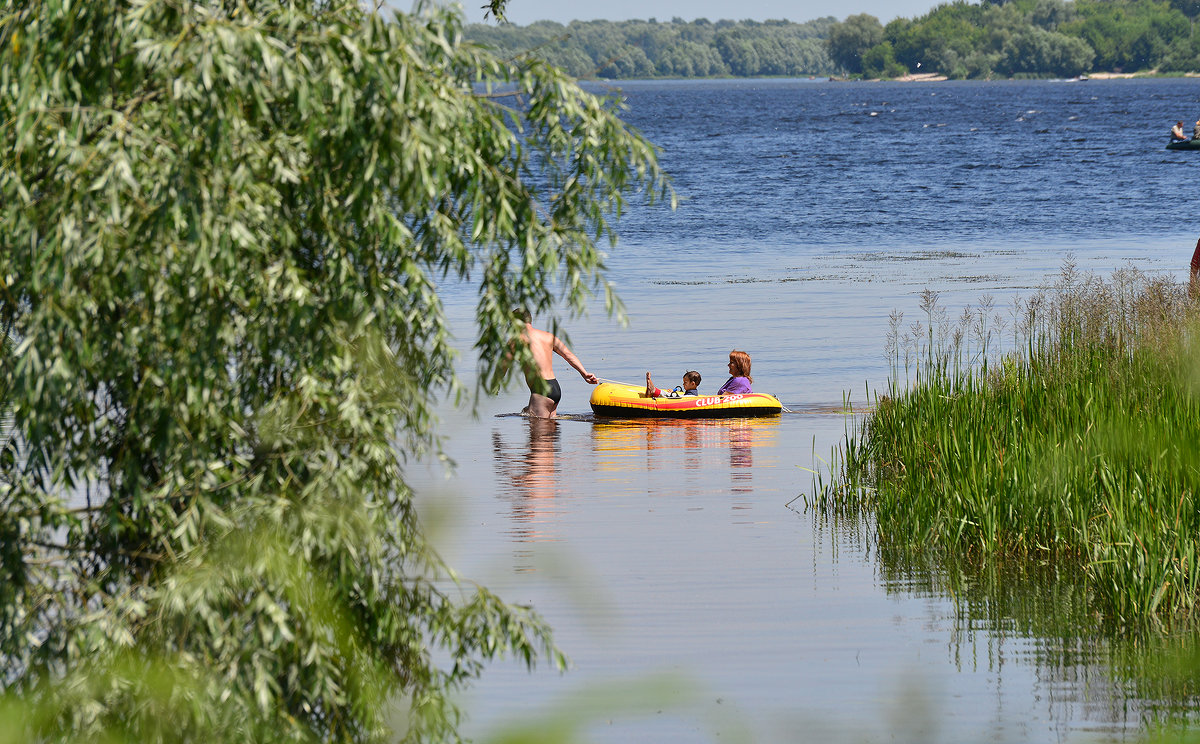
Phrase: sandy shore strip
(931, 77)
(1130, 75)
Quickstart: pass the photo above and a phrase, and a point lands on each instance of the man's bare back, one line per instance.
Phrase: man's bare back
(544, 345)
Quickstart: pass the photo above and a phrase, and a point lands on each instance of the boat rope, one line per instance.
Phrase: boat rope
(618, 382)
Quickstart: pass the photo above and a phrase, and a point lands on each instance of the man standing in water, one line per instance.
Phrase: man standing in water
(544, 391)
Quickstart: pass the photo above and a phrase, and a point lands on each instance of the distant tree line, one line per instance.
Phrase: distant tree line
(648, 49)
(995, 38)
(1023, 38)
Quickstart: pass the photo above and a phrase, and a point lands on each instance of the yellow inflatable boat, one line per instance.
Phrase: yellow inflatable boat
(630, 401)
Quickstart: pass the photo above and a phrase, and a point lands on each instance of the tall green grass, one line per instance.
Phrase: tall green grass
(1068, 432)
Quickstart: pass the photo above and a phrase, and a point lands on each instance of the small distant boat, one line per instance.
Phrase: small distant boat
(630, 401)
(1190, 144)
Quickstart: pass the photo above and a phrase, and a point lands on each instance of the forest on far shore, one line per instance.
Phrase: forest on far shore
(995, 38)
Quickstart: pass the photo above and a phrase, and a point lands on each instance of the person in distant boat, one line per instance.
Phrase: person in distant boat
(1196, 130)
(739, 371)
(544, 390)
(691, 381)
(1177, 134)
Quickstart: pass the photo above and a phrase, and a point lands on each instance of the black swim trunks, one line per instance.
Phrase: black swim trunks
(555, 391)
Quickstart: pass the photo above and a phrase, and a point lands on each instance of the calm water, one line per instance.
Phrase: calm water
(698, 600)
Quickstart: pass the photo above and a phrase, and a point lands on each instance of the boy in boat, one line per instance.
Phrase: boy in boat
(691, 381)
(1177, 134)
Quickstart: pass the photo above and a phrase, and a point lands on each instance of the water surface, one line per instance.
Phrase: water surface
(810, 211)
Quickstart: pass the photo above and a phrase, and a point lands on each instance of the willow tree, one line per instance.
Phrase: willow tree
(223, 225)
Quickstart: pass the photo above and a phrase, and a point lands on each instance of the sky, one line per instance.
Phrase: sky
(524, 12)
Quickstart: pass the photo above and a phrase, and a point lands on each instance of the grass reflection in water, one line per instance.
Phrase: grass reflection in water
(1050, 488)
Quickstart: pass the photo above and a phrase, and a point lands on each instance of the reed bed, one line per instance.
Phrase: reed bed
(1069, 431)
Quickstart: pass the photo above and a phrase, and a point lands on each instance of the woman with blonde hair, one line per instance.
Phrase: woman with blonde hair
(739, 374)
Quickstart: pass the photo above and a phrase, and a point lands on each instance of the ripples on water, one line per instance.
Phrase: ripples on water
(810, 211)
(800, 163)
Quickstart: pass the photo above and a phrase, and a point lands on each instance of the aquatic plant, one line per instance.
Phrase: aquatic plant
(1078, 443)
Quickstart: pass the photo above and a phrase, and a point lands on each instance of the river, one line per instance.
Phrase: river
(697, 597)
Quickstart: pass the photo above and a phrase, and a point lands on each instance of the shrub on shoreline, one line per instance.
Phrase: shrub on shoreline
(1078, 444)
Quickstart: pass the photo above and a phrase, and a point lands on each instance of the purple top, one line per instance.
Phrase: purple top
(735, 385)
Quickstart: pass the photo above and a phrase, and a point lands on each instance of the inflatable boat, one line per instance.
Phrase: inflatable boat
(1192, 144)
(612, 400)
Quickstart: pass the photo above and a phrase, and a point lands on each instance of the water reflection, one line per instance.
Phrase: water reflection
(529, 473)
(1039, 614)
(696, 458)
(688, 444)
(741, 455)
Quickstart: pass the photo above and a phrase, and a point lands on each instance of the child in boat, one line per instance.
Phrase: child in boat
(1177, 134)
(691, 381)
(739, 374)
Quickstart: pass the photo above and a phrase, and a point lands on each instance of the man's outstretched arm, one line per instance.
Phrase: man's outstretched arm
(561, 349)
